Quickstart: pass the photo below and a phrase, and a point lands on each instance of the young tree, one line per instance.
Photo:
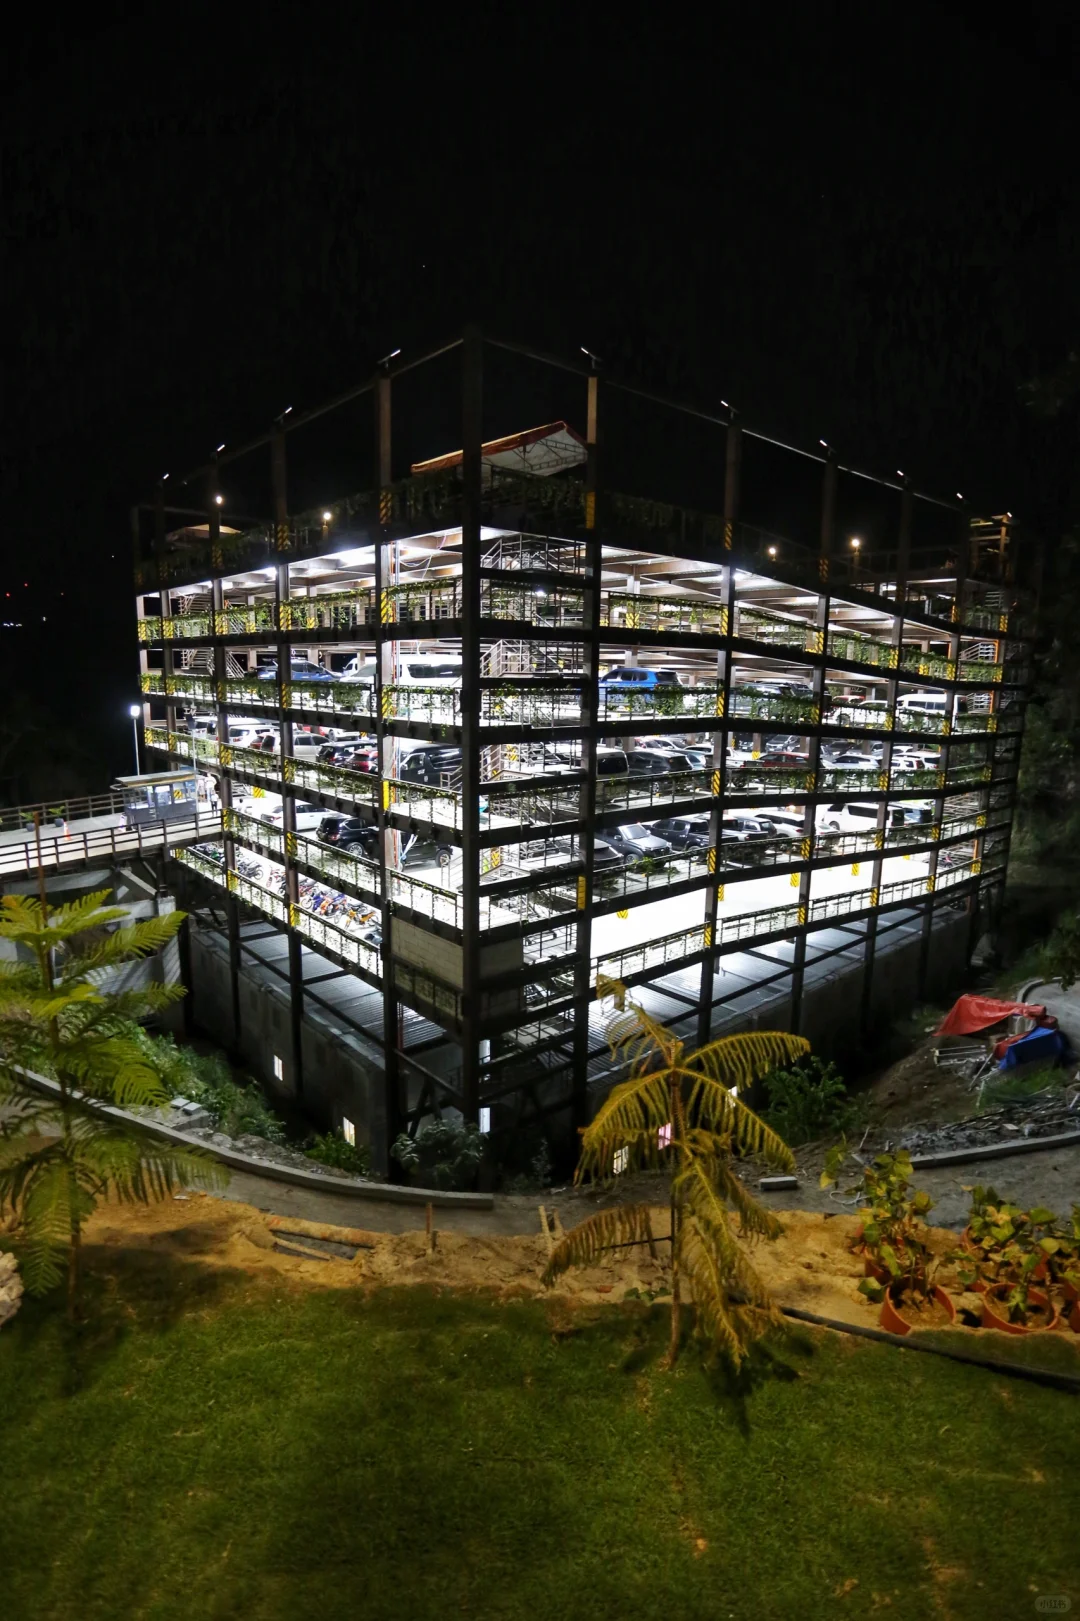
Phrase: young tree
(58, 1155)
(683, 1111)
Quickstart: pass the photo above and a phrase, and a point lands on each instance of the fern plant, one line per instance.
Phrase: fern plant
(682, 1111)
(58, 1155)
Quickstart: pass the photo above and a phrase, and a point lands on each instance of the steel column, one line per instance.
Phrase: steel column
(732, 470)
(394, 1104)
(472, 363)
(590, 721)
(805, 878)
(283, 644)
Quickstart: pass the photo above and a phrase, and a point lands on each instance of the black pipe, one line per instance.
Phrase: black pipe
(1037, 1376)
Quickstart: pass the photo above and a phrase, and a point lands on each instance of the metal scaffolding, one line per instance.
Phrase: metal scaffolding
(529, 585)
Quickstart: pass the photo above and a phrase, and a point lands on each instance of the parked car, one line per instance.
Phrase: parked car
(737, 828)
(912, 813)
(784, 759)
(631, 678)
(849, 760)
(349, 833)
(635, 840)
(612, 762)
(432, 765)
(307, 747)
(924, 703)
(905, 760)
(650, 763)
(299, 670)
(360, 669)
(784, 824)
(606, 858)
(683, 832)
(844, 816)
(362, 759)
(308, 817)
(424, 852)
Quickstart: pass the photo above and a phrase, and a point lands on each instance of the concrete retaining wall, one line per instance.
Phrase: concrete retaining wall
(343, 1077)
(343, 1072)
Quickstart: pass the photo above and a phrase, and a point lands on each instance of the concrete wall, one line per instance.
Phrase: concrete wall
(343, 1073)
(831, 1007)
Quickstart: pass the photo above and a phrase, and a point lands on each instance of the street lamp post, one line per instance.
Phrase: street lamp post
(135, 711)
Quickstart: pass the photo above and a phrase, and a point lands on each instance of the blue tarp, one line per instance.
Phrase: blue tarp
(1042, 1046)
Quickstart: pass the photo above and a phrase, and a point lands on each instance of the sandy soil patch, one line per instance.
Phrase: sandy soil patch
(809, 1266)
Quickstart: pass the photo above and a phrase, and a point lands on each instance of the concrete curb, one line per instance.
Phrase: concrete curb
(377, 1192)
(911, 1342)
(967, 1156)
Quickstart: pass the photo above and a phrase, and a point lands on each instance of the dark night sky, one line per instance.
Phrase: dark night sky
(868, 232)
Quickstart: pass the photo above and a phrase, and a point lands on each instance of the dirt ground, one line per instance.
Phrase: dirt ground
(810, 1266)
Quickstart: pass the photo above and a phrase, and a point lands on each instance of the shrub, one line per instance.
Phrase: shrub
(332, 1149)
(535, 1178)
(444, 1154)
(807, 1101)
(235, 1106)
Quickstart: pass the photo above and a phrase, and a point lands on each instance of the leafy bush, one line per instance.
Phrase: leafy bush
(893, 1232)
(332, 1149)
(235, 1106)
(444, 1154)
(1060, 956)
(536, 1178)
(807, 1101)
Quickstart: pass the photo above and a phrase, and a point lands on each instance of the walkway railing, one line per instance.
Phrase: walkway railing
(61, 810)
(64, 846)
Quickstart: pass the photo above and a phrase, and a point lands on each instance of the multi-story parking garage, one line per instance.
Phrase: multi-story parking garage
(496, 732)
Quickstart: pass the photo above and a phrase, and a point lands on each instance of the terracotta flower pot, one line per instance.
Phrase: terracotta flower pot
(994, 1316)
(891, 1319)
(874, 1269)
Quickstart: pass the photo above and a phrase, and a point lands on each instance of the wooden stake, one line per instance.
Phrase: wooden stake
(545, 1228)
(428, 1228)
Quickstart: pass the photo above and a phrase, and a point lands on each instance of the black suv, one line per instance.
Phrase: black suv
(651, 763)
(684, 832)
(429, 765)
(349, 833)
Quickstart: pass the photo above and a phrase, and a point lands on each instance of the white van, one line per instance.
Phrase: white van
(846, 816)
(429, 669)
(414, 669)
(924, 703)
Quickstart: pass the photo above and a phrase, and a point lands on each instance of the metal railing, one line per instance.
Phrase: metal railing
(745, 703)
(772, 629)
(858, 649)
(553, 606)
(670, 948)
(61, 810)
(744, 779)
(64, 846)
(932, 665)
(623, 610)
(339, 942)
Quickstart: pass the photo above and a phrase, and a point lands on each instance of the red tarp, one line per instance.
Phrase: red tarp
(971, 1013)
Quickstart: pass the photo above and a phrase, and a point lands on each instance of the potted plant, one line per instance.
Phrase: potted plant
(999, 1237)
(1015, 1306)
(1005, 1252)
(1062, 1249)
(901, 1271)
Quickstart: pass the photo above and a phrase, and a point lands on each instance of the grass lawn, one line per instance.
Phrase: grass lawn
(212, 1446)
